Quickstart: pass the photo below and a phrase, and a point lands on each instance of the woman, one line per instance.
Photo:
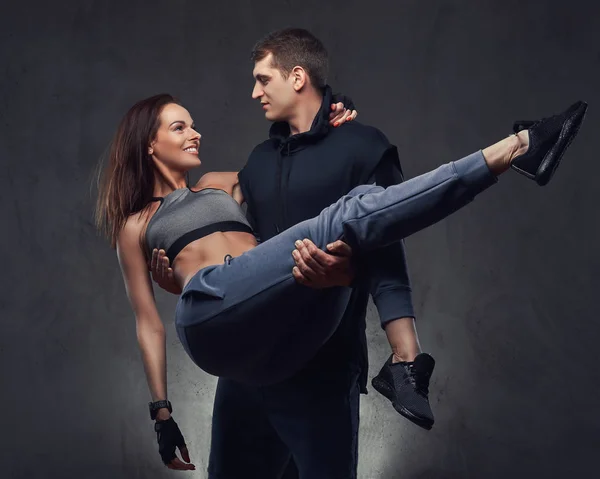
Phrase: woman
(234, 292)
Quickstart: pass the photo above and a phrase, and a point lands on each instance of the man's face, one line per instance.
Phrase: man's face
(276, 94)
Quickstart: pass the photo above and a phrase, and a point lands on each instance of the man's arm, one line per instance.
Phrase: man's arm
(388, 171)
(387, 273)
(386, 269)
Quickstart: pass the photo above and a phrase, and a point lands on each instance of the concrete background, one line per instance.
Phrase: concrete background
(506, 290)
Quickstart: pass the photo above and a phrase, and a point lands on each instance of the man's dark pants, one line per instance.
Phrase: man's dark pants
(316, 417)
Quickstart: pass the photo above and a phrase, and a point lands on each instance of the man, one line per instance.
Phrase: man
(305, 166)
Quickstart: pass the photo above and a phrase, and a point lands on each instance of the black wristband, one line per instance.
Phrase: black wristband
(155, 406)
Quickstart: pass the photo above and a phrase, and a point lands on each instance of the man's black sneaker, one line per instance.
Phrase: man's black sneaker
(549, 138)
(406, 385)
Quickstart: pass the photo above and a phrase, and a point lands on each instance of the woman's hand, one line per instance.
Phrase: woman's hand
(162, 274)
(340, 114)
(169, 439)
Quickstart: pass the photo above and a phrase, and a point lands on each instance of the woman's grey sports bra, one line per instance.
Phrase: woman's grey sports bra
(185, 216)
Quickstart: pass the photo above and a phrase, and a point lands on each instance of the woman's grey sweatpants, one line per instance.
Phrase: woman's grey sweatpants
(249, 320)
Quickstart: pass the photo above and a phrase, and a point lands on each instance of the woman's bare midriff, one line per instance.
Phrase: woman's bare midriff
(208, 251)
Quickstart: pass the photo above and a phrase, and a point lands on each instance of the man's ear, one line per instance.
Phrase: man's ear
(299, 78)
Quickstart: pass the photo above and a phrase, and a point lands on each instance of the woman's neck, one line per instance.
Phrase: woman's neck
(166, 182)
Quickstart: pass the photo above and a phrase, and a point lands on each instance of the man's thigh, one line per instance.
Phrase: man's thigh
(244, 444)
(318, 420)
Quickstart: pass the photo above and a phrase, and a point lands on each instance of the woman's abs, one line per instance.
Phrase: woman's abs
(209, 251)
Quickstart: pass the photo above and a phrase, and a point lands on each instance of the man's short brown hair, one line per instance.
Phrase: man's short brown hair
(293, 47)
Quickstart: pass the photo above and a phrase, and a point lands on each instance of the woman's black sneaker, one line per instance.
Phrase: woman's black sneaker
(548, 140)
(406, 385)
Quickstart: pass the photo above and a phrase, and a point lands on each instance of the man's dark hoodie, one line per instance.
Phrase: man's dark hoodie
(289, 179)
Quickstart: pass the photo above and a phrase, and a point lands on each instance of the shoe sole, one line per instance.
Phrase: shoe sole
(550, 163)
(383, 388)
(570, 130)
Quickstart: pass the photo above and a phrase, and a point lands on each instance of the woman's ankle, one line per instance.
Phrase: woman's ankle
(404, 357)
(403, 339)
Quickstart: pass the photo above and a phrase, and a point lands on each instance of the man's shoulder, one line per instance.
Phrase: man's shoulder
(365, 145)
(360, 134)
(259, 154)
(264, 147)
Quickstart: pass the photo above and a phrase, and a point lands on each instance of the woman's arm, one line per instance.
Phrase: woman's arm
(151, 338)
(225, 180)
(150, 329)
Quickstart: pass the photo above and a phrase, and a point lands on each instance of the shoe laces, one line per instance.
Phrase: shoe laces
(530, 124)
(419, 381)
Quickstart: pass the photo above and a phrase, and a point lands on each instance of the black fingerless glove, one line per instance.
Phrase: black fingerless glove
(169, 437)
(346, 100)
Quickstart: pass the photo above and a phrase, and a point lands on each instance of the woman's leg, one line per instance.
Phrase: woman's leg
(402, 334)
(385, 216)
(250, 320)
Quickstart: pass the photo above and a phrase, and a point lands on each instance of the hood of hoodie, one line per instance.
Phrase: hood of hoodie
(280, 131)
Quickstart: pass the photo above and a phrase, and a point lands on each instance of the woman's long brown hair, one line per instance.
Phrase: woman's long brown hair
(126, 184)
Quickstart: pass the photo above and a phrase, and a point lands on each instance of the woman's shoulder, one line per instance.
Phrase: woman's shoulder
(224, 180)
(132, 228)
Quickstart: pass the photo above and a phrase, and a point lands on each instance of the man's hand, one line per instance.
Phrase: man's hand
(339, 114)
(162, 273)
(318, 269)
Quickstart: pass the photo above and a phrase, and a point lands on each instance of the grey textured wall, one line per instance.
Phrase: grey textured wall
(506, 289)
